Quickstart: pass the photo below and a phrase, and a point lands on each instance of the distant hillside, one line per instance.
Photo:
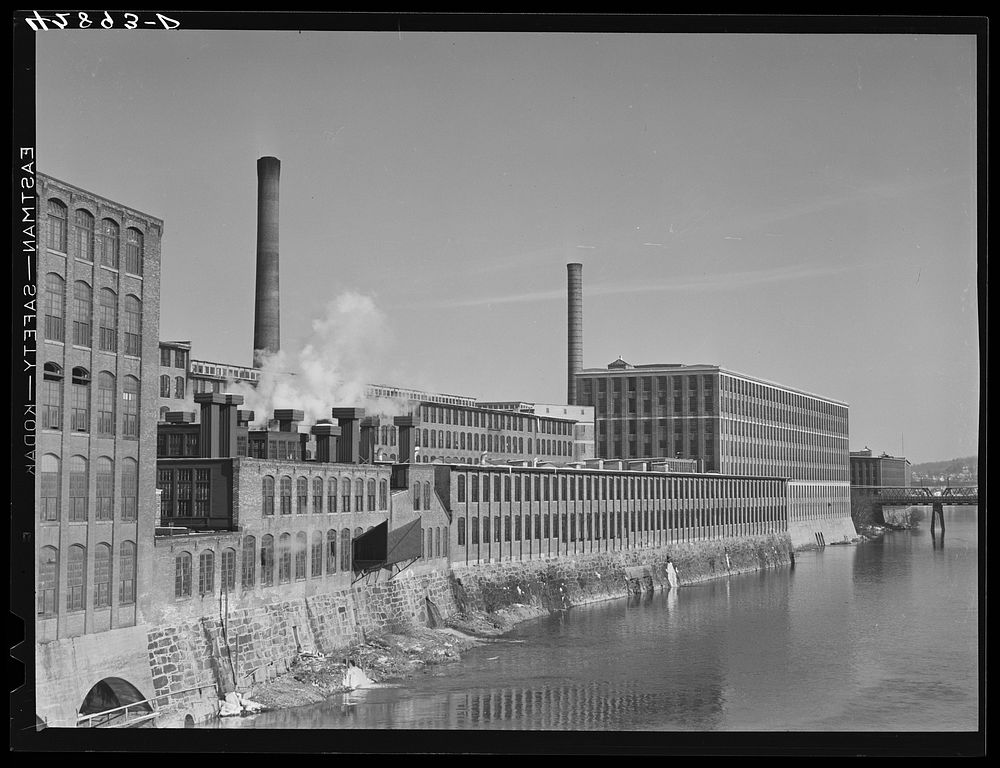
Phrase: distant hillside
(948, 467)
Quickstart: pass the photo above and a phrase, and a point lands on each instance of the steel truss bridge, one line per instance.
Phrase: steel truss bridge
(880, 495)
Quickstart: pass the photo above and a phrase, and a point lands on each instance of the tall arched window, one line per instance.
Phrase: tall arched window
(429, 548)
(83, 233)
(496, 489)
(284, 558)
(331, 495)
(126, 573)
(475, 488)
(268, 495)
(461, 531)
(301, 496)
(206, 572)
(78, 489)
(133, 326)
(179, 387)
(267, 561)
(506, 488)
(182, 575)
(134, 246)
(80, 411)
(54, 307)
(130, 407)
(331, 551)
(105, 489)
(110, 243)
(102, 575)
(52, 396)
(383, 495)
(76, 578)
(427, 495)
(105, 403)
(345, 549)
(317, 490)
(301, 553)
(48, 581)
(416, 496)
(130, 488)
(83, 310)
(316, 554)
(50, 487)
(286, 495)
(437, 542)
(58, 217)
(371, 494)
(345, 497)
(359, 495)
(461, 487)
(108, 321)
(249, 568)
(228, 569)
(486, 488)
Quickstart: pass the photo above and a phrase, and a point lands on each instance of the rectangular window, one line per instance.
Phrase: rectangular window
(201, 493)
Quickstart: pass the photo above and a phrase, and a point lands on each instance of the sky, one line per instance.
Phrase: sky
(799, 208)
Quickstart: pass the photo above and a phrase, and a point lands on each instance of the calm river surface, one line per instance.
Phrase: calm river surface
(881, 636)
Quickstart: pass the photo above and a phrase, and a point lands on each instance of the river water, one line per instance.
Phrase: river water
(881, 636)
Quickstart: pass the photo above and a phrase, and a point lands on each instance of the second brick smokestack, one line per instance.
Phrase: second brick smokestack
(574, 274)
(266, 323)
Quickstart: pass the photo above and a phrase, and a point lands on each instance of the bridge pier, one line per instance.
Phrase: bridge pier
(937, 510)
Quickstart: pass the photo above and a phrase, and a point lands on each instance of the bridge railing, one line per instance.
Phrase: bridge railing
(134, 712)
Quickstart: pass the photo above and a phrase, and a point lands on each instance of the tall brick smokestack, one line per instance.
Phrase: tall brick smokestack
(266, 318)
(574, 274)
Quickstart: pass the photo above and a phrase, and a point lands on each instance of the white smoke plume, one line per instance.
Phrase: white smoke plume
(345, 352)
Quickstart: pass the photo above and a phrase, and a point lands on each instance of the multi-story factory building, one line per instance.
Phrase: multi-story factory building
(99, 288)
(884, 470)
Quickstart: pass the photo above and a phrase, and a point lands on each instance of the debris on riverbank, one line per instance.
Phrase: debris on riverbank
(314, 677)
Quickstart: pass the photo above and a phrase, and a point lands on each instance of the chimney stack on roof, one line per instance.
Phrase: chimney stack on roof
(266, 322)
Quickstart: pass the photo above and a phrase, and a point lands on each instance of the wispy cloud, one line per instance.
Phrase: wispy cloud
(690, 284)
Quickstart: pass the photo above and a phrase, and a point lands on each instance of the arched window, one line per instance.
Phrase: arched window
(301, 552)
(105, 489)
(475, 531)
(78, 483)
(126, 573)
(345, 549)
(228, 570)
(206, 572)
(301, 496)
(416, 496)
(130, 407)
(83, 310)
(52, 396)
(76, 578)
(48, 581)
(267, 561)
(461, 531)
(316, 555)
(331, 493)
(80, 411)
(486, 528)
(284, 558)
(429, 548)
(331, 551)
(286, 495)
(486, 488)
(108, 321)
(345, 497)
(371, 494)
(182, 575)
(134, 246)
(383, 495)
(249, 569)
(437, 542)
(475, 487)
(427, 495)
(110, 242)
(461, 487)
(83, 231)
(424, 443)
(133, 326)
(317, 489)
(359, 495)
(506, 488)
(164, 385)
(496, 489)
(130, 488)
(105, 403)
(58, 216)
(102, 575)
(50, 487)
(54, 307)
(179, 387)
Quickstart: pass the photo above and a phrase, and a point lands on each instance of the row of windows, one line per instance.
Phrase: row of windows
(50, 485)
(493, 420)
(51, 401)
(363, 493)
(88, 239)
(54, 316)
(469, 441)
(179, 386)
(717, 520)
(185, 492)
(587, 487)
(76, 577)
(179, 355)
